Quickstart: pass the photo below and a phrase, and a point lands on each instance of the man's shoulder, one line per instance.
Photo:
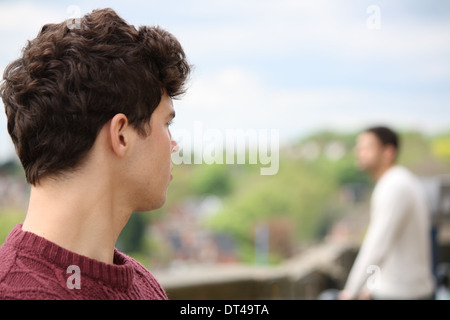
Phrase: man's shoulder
(144, 278)
(29, 294)
(139, 269)
(26, 278)
(399, 178)
(8, 255)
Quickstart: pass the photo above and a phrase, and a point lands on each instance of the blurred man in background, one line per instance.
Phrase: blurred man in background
(394, 261)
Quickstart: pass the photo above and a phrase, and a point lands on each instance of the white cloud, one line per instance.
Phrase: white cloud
(236, 98)
(27, 15)
(21, 21)
(229, 89)
(281, 29)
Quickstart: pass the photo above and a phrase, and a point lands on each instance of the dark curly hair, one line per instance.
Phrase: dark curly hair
(72, 79)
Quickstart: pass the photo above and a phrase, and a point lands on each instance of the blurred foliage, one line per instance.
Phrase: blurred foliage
(441, 147)
(8, 219)
(212, 179)
(132, 236)
(299, 203)
(296, 194)
(12, 168)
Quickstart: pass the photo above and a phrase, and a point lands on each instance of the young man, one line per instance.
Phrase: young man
(89, 107)
(394, 261)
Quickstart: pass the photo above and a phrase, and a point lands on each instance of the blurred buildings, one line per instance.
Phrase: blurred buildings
(13, 192)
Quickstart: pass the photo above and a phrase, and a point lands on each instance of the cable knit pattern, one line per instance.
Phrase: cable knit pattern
(33, 268)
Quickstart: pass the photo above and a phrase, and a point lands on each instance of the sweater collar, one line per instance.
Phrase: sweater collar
(118, 275)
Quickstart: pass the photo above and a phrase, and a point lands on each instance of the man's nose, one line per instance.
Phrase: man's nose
(174, 146)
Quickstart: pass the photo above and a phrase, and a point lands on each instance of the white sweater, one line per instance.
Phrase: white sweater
(394, 261)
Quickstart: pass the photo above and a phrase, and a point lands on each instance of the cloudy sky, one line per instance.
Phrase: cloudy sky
(296, 66)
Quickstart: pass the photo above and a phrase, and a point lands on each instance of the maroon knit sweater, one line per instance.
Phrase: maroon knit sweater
(32, 267)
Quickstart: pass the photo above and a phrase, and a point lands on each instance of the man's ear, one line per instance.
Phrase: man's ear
(391, 153)
(119, 134)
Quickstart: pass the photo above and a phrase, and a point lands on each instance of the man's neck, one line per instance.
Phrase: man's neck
(381, 171)
(81, 216)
